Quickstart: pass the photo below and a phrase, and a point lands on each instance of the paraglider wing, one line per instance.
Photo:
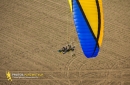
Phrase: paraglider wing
(88, 19)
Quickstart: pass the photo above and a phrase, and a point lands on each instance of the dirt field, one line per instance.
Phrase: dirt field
(31, 32)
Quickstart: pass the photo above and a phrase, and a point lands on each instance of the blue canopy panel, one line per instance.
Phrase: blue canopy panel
(86, 37)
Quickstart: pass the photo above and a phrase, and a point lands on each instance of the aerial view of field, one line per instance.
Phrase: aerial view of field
(32, 32)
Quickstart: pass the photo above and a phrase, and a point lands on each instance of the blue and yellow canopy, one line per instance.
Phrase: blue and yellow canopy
(89, 23)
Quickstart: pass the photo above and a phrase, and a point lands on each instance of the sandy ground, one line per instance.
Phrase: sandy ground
(31, 32)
